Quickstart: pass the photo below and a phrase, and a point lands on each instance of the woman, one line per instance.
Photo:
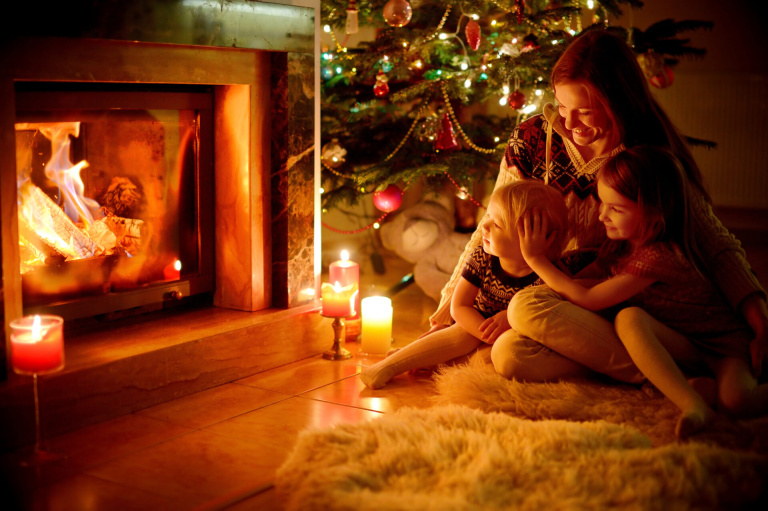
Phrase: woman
(604, 105)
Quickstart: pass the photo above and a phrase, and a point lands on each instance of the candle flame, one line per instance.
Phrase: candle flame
(344, 255)
(337, 287)
(36, 329)
(177, 265)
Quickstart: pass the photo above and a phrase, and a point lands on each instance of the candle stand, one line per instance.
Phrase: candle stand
(37, 348)
(337, 352)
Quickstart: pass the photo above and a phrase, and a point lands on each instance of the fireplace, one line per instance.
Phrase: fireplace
(115, 196)
(226, 118)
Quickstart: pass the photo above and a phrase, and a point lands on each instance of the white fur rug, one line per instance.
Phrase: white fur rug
(478, 386)
(459, 458)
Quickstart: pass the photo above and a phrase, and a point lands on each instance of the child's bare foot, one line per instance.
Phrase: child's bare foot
(707, 388)
(692, 422)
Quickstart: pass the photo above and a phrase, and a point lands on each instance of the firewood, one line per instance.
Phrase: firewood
(53, 225)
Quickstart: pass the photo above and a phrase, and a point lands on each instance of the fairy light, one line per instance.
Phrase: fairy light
(529, 109)
(443, 36)
(327, 29)
(505, 89)
(503, 100)
(539, 92)
(464, 66)
(467, 83)
(374, 225)
(590, 4)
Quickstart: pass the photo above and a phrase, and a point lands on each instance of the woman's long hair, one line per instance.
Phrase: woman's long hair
(654, 179)
(609, 68)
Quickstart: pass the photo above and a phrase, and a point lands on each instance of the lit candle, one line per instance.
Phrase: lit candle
(173, 270)
(377, 325)
(37, 344)
(346, 273)
(338, 301)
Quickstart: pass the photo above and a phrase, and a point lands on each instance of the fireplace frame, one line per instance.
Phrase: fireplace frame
(243, 172)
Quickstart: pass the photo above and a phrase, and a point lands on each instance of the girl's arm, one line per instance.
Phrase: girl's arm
(534, 242)
(463, 310)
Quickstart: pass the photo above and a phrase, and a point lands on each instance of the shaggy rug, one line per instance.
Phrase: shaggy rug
(477, 385)
(458, 458)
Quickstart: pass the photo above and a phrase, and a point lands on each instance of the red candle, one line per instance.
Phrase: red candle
(37, 344)
(347, 272)
(173, 270)
(338, 301)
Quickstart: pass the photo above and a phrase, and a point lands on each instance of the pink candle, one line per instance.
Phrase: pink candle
(37, 344)
(338, 301)
(347, 272)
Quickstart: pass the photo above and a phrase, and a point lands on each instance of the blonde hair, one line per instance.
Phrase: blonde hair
(517, 197)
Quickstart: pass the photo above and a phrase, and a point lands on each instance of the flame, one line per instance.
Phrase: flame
(65, 174)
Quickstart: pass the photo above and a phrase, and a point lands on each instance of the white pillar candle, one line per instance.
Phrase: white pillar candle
(377, 325)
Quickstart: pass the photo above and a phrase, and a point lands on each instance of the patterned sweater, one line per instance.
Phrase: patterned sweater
(495, 286)
(525, 158)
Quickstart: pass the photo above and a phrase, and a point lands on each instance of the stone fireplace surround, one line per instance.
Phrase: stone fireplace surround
(265, 232)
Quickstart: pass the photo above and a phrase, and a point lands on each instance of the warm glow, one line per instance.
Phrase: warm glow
(344, 256)
(36, 330)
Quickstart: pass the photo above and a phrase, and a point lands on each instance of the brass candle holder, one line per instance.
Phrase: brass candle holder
(337, 351)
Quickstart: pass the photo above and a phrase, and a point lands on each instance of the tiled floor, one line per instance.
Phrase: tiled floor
(217, 449)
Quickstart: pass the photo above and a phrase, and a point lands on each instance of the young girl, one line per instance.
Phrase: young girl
(672, 313)
(495, 271)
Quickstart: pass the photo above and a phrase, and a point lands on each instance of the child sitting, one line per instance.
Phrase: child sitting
(672, 314)
(493, 274)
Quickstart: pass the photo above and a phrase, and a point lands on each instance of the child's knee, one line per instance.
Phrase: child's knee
(515, 356)
(628, 319)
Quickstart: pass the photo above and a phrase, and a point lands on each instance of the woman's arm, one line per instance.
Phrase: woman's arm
(532, 229)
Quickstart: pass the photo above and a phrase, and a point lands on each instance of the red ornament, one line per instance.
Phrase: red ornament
(381, 88)
(388, 199)
(397, 13)
(516, 100)
(520, 4)
(472, 31)
(446, 140)
(663, 79)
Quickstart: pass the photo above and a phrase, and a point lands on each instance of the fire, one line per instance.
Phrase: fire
(80, 228)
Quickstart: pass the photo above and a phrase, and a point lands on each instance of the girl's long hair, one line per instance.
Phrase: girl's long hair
(609, 68)
(654, 179)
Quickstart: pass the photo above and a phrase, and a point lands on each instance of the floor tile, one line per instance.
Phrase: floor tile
(213, 405)
(84, 492)
(303, 375)
(87, 447)
(403, 390)
(191, 469)
(274, 429)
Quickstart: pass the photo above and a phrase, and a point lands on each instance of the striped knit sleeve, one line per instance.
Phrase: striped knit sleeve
(722, 255)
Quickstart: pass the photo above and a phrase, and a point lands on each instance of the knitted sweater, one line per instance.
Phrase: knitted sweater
(526, 158)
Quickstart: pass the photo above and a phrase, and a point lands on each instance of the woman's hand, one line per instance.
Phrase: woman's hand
(494, 326)
(755, 311)
(532, 230)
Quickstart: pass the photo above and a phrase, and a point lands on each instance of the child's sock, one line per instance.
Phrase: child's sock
(436, 348)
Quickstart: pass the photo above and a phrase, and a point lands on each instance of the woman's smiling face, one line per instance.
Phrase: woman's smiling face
(586, 119)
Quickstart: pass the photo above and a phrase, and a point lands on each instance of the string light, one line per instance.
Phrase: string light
(375, 225)
(459, 188)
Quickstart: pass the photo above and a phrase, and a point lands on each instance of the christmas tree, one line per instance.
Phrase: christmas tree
(434, 95)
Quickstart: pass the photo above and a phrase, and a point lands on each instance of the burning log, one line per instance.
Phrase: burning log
(117, 233)
(52, 226)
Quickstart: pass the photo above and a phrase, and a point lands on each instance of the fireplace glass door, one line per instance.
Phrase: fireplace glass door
(114, 194)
